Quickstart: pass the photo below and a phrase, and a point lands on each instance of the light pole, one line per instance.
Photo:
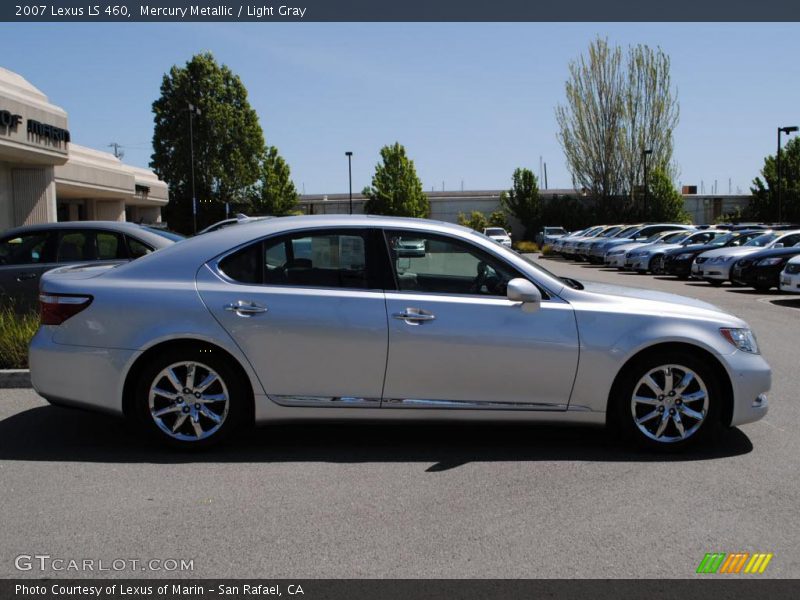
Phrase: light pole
(787, 131)
(193, 110)
(350, 176)
(645, 153)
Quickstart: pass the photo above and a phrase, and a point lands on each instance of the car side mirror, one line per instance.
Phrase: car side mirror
(522, 290)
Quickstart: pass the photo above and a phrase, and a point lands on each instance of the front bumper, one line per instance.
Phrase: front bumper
(615, 260)
(756, 276)
(679, 268)
(751, 378)
(718, 271)
(790, 283)
(79, 376)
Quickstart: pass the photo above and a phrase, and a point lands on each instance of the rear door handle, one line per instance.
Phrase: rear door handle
(414, 316)
(243, 308)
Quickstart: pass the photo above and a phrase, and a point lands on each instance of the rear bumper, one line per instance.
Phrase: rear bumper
(78, 376)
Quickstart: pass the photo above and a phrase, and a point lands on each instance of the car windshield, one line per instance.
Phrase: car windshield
(166, 233)
(723, 239)
(610, 232)
(677, 237)
(570, 282)
(653, 238)
(763, 240)
(625, 232)
(554, 231)
(495, 231)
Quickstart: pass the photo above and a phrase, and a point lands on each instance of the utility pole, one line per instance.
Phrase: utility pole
(118, 153)
(193, 110)
(350, 176)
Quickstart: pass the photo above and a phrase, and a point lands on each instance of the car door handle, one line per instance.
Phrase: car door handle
(414, 316)
(27, 276)
(245, 309)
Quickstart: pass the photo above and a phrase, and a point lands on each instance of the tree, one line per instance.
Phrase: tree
(476, 220)
(613, 112)
(665, 203)
(498, 219)
(228, 141)
(522, 200)
(275, 193)
(396, 190)
(764, 206)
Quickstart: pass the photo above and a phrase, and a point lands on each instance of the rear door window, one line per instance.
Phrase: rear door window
(26, 249)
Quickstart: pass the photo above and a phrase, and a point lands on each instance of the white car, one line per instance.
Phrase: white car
(714, 266)
(548, 235)
(499, 235)
(790, 276)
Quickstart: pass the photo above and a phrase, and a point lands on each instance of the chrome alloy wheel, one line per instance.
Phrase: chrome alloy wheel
(670, 403)
(657, 264)
(188, 401)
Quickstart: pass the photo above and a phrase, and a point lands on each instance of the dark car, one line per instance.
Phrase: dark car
(762, 270)
(27, 252)
(678, 261)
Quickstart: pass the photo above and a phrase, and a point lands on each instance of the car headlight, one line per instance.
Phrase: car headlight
(684, 256)
(770, 262)
(743, 339)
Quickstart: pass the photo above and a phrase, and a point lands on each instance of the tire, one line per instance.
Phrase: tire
(218, 405)
(661, 415)
(656, 265)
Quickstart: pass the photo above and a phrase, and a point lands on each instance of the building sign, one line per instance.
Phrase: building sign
(10, 122)
(50, 132)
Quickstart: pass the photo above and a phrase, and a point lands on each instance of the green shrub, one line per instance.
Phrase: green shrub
(525, 247)
(16, 331)
(547, 250)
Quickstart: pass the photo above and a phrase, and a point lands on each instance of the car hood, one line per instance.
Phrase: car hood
(662, 303)
(695, 248)
(737, 251)
(770, 252)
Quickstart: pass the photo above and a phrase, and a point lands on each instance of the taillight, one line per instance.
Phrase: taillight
(57, 308)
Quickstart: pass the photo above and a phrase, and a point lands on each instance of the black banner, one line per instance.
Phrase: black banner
(407, 10)
(707, 588)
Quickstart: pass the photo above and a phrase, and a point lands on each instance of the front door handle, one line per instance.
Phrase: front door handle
(27, 276)
(243, 308)
(414, 316)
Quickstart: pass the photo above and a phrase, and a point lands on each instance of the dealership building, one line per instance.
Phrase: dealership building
(44, 177)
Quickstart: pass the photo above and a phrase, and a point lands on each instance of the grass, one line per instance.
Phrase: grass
(16, 331)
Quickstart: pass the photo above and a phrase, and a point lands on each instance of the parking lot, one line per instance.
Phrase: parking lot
(387, 500)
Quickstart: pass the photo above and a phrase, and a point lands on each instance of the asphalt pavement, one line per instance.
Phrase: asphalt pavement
(386, 500)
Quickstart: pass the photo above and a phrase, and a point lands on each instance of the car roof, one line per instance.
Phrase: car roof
(133, 229)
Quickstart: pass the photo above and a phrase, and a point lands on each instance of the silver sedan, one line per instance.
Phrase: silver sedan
(320, 317)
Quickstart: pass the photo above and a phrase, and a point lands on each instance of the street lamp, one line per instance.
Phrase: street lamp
(645, 153)
(193, 110)
(350, 177)
(787, 131)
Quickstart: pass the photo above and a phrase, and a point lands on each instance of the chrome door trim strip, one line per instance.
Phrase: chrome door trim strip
(470, 404)
(326, 401)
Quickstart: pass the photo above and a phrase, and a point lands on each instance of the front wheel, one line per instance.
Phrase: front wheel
(667, 401)
(657, 264)
(190, 398)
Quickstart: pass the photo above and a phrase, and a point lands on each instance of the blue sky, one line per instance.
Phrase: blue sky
(470, 102)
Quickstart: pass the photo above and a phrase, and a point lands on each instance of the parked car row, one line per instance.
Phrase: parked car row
(758, 256)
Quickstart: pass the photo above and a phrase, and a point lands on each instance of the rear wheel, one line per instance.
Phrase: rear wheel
(191, 398)
(667, 401)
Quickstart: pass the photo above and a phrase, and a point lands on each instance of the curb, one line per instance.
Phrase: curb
(15, 378)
